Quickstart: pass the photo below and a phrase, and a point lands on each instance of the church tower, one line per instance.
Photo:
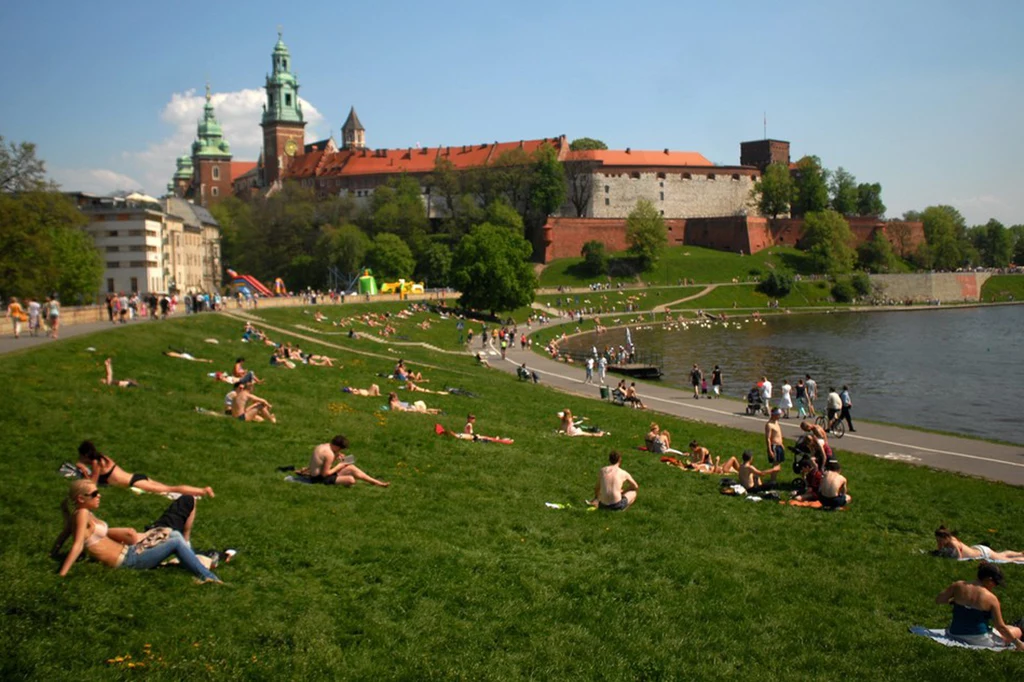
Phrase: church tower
(353, 134)
(211, 159)
(283, 127)
(182, 180)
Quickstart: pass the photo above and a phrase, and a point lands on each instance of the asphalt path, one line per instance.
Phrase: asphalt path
(992, 461)
(963, 455)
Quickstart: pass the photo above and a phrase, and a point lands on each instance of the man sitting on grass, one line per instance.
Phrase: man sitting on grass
(248, 408)
(329, 466)
(750, 476)
(832, 492)
(615, 490)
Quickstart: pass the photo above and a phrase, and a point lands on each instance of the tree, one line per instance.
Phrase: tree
(842, 291)
(345, 248)
(77, 265)
(829, 242)
(20, 170)
(997, 244)
(579, 178)
(869, 200)
(876, 254)
(645, 234)
(391, 258)
(397, 207)
(547, 188)
(861, 283)
(435, 265)
(1018, 248)
(581, 144)
(776, 283)
(902, 234)
(492, 270)
(510, 175)
(595, 257)
(774, 191)
(944, 228)
(811, 180)
(499, 212)
(843, 192)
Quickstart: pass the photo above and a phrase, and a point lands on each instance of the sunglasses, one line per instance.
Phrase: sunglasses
(94, 494)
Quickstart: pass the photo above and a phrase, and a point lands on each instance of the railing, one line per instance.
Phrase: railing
(638, 358)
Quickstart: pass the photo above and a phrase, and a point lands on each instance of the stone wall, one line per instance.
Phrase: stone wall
(948, 287)
(677, 193)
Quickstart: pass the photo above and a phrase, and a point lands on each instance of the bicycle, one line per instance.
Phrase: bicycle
(838, 429)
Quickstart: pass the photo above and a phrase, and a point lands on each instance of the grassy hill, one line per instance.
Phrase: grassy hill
(1000, 288)
(686, 262)
(458, 570)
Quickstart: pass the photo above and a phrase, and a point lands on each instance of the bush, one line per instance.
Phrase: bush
(777, 283)
(595, 258)
(861, 283)
(843, 291)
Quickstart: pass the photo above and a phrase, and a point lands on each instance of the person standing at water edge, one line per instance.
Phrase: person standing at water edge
(847, 406)
(716, 381)
(766, 393)
(786, 401)
(812, 392)
(695, 378)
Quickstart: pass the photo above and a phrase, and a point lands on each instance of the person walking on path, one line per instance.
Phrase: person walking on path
(766, 393)
(786, 401)
(847, 406)
(695, 378)
(34, 311)
(590, 371)
(801, 399)
(716, 381)
(53, 315)
(602, 367)
(17, 316)
(812, 393)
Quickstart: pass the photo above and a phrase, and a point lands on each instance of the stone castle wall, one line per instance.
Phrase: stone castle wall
(932, 286)
(677, 193)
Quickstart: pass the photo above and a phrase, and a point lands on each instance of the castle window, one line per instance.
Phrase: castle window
(216, 191)
(607, 201)
(736, 176)
(606, 189)
(110, 284)
(112, 233)
(686, 176)
(711, 176)
(661, 184)
(635, 176)
(661, 176)
(662, 212)
(662, 196)
(287, 100)
(216, 172)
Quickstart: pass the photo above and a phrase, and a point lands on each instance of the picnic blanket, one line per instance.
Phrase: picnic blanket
(939, 635)
(441, 431)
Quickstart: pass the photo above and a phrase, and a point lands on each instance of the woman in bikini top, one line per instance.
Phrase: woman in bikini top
(947, 541)
(101, 470)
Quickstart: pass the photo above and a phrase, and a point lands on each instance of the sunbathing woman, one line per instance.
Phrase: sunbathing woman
(402, 373)
(119, 547)
(951, 546)
(109, 378)
(280, 359)
(396, 405)
(100, 469)
(410, 386)
(570, 428)
(184, 356)
(974, 606)
(364, 392)
(469, 434)
(660, 442)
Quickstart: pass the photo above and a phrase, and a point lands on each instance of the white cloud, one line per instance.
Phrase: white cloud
(93, 180)
(238, 114)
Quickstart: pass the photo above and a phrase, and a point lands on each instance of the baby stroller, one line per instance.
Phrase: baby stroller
(754, 403)
(618, 397)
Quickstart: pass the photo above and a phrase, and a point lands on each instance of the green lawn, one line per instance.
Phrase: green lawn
(457, 571)
(687, 262)
(1003, 288)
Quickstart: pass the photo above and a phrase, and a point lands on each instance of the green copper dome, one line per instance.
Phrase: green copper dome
(184, 168)
(209, 135)
(282, 87)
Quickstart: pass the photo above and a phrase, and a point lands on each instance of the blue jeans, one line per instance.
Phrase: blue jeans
(175, 544)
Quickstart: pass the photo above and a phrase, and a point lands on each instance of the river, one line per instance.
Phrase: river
(956, 369)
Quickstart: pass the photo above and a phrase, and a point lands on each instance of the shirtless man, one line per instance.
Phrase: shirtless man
(832, 492)
(329, 466)
(773, 441)
(817, 440)
(249, 408)
(699, 455)
(750, 476)
(615, 490)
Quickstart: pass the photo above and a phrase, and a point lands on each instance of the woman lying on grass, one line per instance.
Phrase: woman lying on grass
(183, 355)
(951, 546)
(108, 378)
(373, 390)
(974, 605)
(396, 405)
(101, 470)
(570, 428)
(119, 547)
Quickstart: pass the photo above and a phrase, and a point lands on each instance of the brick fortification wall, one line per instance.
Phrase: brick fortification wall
(676, 193)
(565, 237)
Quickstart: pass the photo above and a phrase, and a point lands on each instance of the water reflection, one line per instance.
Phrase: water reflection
(955, 370)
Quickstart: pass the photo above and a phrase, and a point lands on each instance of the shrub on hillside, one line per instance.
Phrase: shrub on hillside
(595, 258)
(843, 291)
(861, 283)
(776, 283)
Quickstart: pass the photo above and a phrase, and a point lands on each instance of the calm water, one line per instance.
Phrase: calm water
(953, 370)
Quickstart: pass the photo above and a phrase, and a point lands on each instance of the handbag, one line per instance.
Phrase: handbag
(153, 537)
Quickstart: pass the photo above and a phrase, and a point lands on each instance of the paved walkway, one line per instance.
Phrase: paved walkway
(963, 455)
(973, 457)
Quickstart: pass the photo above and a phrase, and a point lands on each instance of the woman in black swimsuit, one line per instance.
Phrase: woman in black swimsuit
(102, 470)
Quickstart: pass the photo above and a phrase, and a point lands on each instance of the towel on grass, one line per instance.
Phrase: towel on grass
(940, 636)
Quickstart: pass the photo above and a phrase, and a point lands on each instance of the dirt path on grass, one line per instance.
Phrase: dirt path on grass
(707, 290)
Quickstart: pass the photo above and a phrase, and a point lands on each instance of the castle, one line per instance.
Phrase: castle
(703, 203)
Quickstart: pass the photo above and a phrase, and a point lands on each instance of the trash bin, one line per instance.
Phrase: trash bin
(606, 393)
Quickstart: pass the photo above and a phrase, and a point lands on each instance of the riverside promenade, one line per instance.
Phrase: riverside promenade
(992, 461)
(962, 455)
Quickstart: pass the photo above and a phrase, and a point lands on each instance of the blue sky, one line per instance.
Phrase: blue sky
(923, 97)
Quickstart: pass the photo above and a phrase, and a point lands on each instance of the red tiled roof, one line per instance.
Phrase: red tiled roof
(240, 168)
(349, 162)
(639, 157)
